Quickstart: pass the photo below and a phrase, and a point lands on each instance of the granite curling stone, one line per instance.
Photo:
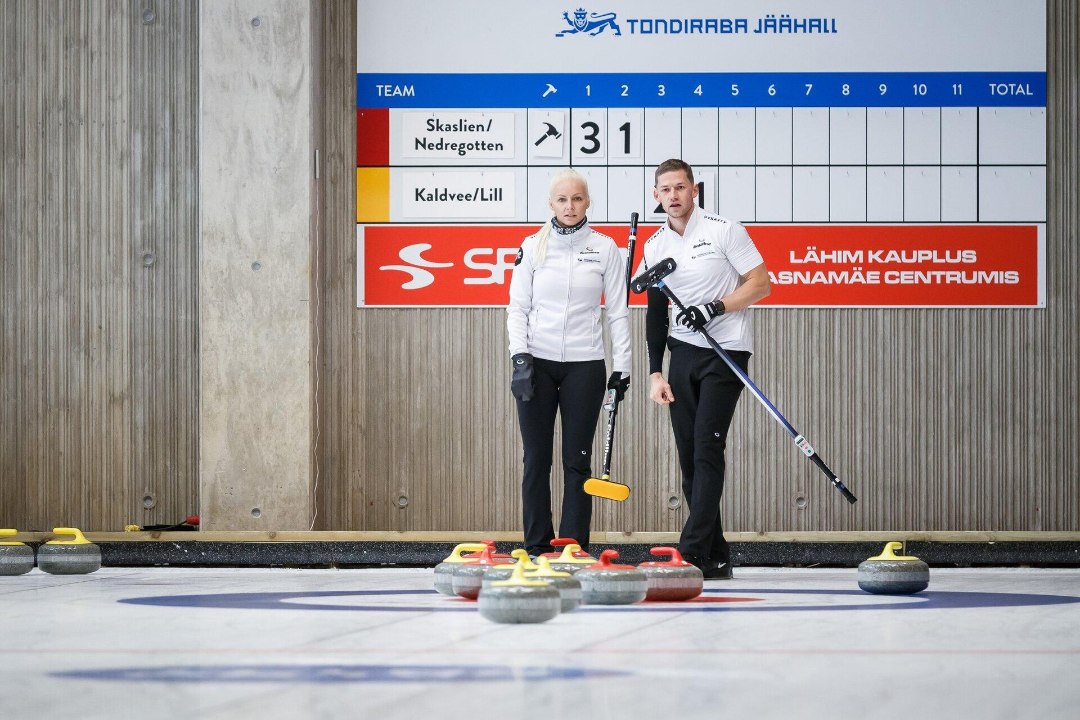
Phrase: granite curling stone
(505, 570)
(16, 558)
(568, 586)
(891, 574)
(468, 577)
(671, 580)
(444, 571)
(608, 584)
(519, 600)
(69, 557)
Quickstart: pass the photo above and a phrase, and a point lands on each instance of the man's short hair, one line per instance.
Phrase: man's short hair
(673, 165)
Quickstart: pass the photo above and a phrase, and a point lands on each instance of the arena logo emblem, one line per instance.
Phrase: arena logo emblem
(591, 23)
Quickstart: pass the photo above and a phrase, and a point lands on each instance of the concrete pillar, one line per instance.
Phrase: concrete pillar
(255, 329)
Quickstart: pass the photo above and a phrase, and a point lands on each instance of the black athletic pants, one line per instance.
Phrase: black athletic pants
(706, 392)
(576, 391)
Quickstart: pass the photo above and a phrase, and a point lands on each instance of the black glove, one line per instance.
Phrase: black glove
(696, 317)
(619, 384)
(522, 381)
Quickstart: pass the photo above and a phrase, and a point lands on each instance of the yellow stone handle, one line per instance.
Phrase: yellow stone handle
(568, 552)
(544, 569)
(79, 539)
(518, 579)
(523, 560)
(568, 556)
(8, 532)
(889, 554)
(460, 550)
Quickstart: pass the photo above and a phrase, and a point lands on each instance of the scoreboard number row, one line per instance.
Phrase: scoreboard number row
(845, 89)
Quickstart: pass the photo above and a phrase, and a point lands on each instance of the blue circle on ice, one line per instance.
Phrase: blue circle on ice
(340, 673)
(803, 601)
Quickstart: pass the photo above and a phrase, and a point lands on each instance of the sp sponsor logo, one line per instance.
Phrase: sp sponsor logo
(444, 266)
(491, 264)
(584, 22)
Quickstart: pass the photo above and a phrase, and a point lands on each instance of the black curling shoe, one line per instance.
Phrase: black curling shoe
(721, 572)
(708, 571)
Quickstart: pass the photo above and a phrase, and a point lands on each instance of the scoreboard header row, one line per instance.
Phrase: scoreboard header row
(659, 90)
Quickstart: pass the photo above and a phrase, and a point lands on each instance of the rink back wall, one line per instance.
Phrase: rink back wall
(947, 420)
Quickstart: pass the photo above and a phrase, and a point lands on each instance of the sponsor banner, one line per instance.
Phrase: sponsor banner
(810, 265)
(438, 266)
(903, 265)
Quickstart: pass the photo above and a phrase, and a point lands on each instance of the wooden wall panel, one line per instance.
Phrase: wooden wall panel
(98, 262)
(165, 250)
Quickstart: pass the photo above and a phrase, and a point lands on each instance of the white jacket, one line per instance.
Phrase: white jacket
(555, 311)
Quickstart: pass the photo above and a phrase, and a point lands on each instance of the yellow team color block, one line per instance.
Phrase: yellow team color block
(372, 195)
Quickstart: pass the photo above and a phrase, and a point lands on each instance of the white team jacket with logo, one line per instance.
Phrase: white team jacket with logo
(711, 256)
(555, 312)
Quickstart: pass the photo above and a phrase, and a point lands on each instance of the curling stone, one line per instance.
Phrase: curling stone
(444, 570)
(568, 586)
(69, 557)
(519, 600)
(16, 558)
(571, 559)
(673, 579)
(891, 574)
(505, 570)
(608, 584)
(468, 576)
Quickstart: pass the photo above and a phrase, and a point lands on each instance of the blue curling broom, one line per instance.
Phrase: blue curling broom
(654, 277)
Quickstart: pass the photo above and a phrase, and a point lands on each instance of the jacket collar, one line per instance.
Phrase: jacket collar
(566, 231)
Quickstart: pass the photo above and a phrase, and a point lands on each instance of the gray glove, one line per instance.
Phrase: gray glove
(522, 382)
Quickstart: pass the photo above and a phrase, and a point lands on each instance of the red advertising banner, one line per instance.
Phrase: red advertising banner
(447, 265)
(902, 265)
(810, 265)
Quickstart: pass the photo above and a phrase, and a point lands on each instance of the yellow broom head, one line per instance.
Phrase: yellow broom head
(607, 488)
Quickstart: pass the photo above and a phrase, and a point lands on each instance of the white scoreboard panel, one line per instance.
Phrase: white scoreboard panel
(881, 154)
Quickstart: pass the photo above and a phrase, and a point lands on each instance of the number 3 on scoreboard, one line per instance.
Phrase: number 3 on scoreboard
(588, 135)
(616, 137)
(590, 138)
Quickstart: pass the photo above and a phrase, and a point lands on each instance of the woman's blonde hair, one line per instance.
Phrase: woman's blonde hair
(542, 239)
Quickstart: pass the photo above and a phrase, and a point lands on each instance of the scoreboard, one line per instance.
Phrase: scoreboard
(880, 154)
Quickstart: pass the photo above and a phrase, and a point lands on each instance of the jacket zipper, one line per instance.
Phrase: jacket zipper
(569, 293)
